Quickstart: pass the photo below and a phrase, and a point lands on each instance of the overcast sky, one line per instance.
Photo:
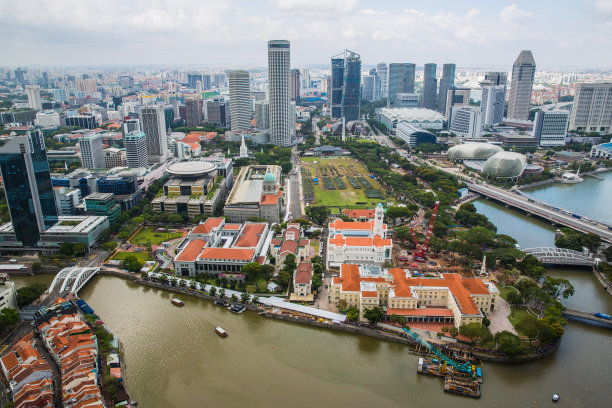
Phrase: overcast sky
(234, 32)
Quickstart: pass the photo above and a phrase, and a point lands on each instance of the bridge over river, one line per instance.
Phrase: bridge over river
(561, 256)
(588, 318)
(548, 212)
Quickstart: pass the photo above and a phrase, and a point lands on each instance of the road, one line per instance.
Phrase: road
(294, 196)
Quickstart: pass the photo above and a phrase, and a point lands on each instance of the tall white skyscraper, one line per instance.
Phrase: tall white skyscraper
(136, 149)
(382, 71)
(492, 104)
(591, 111)
(262, 115)
(523, 73)
(550, 126)
(279, 61)
(465, 121)
(92, 156)
(153, 124)
(33, 92)
(240, 100)
(305, 77)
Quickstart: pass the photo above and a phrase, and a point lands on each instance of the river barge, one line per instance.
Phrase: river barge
(177, 302)
(220, 332)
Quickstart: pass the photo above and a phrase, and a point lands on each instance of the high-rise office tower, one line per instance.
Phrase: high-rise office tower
(92, 156)
(337, 87)
(27, 186)
(370, 88)
(218, 112)
(400, 81)
(240, 100)
(492, 104)
(305, 74)
(262, 115)
(295, 85)
(20, 75)
(523, 73)
(550, 126)
(131, 125)
(136, 149)
(205, 81)
(497, 77)
(192, 80)
(465, 121)
(430, 85)
(382, 71)
(591, 111)
(153, 123)
(33, 92)
(193, 112)
(346, 85)
(446, 82)
(279, 60)
(456, 96)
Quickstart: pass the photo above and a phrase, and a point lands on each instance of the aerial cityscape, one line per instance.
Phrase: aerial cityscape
(316, 203)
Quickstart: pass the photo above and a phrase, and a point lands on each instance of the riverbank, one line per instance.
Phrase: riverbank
(386, 335)
(604, 282)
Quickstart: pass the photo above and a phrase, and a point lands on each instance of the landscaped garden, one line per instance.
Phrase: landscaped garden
(154, 237)
(340, 182)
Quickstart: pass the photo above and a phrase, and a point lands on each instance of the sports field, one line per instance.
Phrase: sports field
(341, 182)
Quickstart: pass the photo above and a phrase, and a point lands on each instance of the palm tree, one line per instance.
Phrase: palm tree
(222, 293)
(234, 298)
(182, 283)
(212, 291)
(244, 297)
(193, 285)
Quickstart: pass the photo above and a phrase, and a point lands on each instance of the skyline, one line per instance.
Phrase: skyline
(188, 32)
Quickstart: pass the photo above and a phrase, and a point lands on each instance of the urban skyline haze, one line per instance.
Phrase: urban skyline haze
(474, 33)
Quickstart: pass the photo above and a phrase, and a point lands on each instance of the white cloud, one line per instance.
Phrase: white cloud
(603, 6)
(372, 12)
(316, 5)
(512, 14)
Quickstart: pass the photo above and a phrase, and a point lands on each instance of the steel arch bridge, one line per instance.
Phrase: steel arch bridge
(560, 256)
(71, 280)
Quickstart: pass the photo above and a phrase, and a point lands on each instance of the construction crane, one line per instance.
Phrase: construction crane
(420, 251)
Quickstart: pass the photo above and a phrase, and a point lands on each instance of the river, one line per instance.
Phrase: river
(174, 358)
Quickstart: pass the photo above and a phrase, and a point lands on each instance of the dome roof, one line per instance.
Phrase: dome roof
(269, 177)
(505, 165)
(477, 151)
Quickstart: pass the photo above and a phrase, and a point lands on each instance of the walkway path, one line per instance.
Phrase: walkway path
(499, 318)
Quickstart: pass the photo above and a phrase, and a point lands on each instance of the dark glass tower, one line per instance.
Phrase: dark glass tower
(446, 83)
(27, 185)
(401, 80)
(346, 85)
(337, 89)
(430, 87)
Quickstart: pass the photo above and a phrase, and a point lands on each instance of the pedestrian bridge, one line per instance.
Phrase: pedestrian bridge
(587, 318)
(560, 256)
(71, 280)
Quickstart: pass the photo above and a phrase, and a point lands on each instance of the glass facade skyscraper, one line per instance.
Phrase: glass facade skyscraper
(446, 82)
(401, 80)
(430, 87)
(346, 85)
(27, 185)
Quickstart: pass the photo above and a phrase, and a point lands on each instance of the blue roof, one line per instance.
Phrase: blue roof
(605, 146)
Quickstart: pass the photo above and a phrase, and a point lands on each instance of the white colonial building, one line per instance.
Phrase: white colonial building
(359, 242)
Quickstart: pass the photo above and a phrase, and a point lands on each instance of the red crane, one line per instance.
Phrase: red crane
(420, 251)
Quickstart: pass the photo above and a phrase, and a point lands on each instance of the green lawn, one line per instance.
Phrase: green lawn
(155, 238)
(516, 315)
(260, 287)
(142, 256)
(504, 290)
(349, 197)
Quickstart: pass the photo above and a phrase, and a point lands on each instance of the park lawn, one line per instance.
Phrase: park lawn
(504, 291)
(141, 256)
(260, 287)
(155, 238)
(349, 197)
(516, 315)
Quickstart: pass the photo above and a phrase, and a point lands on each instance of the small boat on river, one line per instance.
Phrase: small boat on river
(236, 308)
(177, 302)
(220, 332)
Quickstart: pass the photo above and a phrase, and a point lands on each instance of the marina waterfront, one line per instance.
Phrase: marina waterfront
(175, 359)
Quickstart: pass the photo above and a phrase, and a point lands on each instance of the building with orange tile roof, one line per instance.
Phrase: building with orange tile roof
(359, 242)
(28, 374)
(447, 298)
(215, 246)
(359, 214)
(302, 279)
(74, 347)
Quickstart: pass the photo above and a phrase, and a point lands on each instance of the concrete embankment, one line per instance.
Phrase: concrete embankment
(415, 348)
(602, 279)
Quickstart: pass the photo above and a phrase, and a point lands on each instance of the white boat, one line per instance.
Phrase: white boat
(555, 397)
(177, 302)
(220, 332)
(571, 178)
